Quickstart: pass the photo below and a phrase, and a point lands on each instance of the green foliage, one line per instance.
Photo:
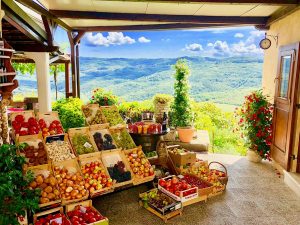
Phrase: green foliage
(256, 123)
(69, 111)
(181, 115)
(103, 98)
(134, 110)
(162, 99)
(15, 196)
(24, 68)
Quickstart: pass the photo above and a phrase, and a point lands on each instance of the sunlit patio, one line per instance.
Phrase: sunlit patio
(256, 194)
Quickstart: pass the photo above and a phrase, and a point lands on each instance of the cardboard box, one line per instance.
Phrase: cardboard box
(182, 159)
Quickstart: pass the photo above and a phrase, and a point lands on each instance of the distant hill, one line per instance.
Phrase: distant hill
(224, 80)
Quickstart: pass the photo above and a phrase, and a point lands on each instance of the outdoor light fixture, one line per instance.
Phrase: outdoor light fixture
(266, 42)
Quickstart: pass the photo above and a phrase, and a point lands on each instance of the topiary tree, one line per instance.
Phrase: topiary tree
(15, 196)
(181, 110)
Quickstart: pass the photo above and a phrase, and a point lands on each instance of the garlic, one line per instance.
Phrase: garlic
(59, 151)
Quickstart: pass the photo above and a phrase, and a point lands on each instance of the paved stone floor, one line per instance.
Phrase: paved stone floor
(255, 194)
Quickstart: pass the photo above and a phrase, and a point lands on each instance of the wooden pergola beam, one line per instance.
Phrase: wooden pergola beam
(43, 11)
(49, 27)
(160, 17)
(35, 48)
(281, 13)
(273, 2)
(168, 26)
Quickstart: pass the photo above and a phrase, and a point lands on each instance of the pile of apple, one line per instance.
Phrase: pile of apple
(82, 215)
(217, 173)
(139, 164)
(176, 185)
(70, 183)
(141, 127)
(53, 219)
(200, 169)
(52, 128)
(95, 177)
(23, 127)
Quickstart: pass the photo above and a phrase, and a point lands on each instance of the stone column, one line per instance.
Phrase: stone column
(41, 60)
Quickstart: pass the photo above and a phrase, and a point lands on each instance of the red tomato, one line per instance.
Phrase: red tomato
(20, 118)
(56, 122)
(25, 124)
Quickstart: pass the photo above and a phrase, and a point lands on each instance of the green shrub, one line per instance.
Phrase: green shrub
(134, 110)
(103, 98)
(162, 99)
(69, 111)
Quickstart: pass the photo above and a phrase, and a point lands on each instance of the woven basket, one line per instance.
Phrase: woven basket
(223, 180)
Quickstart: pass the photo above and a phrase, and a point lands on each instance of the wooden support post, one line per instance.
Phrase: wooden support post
(73, 64)
(77, 70)
(67, 76)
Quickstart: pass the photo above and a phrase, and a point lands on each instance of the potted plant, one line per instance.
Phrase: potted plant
(15, 195)
(255, 121)
(103, 98)
(161, 104)
(181, 115)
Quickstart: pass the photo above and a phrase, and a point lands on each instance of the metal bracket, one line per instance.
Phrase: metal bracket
(275, 37)
(298, 106)
(293, 157)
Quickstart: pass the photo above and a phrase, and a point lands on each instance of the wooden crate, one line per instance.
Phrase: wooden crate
(36, 171)
(47, 212)
(109, 158)
(27, 114)
(61, 137)
(73, 167)
(116, 131)
(195, 200)
(87, 203)
(94, 109)
(32, 139)
(48, 116)
(112, 109)
(84, 131)
(103, 129)
(93, 157)
(136, 179)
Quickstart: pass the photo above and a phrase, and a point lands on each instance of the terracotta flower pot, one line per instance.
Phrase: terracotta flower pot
(185, 134)
(253, 156)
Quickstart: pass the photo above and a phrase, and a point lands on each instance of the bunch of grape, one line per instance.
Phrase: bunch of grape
(118, 172)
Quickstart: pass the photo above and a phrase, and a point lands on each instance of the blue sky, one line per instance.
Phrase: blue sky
(218, 42)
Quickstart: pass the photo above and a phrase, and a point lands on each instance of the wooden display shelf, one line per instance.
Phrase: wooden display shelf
(4, 57)
(7, 50)
(7, 74)
(166, 217)
(195, 200)
(6, 84)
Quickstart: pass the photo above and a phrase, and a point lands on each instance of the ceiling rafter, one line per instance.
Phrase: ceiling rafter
(160, 17)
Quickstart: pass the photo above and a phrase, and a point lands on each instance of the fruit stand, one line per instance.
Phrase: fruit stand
(98, 159)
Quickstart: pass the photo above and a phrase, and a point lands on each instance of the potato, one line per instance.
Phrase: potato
(48, 189)
(52, 181)
(33, 184)
(51, 196)
(43, 186)
(74, 193)
(56, 192)
(47, 180)
(44, 200)
(39, 179)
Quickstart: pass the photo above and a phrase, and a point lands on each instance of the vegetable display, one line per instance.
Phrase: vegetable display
(47, 183)
(82, 144)
(112, 115)
(22, 127)
(95, 176)
(118, 172)
(82, 215)
(53, 219)
(59, 151)
(35, 155)
(71, 183)
(123, 139)
(93, 115)
(103, 141)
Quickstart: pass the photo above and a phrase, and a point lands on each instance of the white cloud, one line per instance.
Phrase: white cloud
(238, 35)
(194, 47)
(210, 44)
(113, 38)
(144, 40)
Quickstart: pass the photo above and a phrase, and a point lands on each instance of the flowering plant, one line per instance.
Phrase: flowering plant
(255, 121)
(103, 98)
